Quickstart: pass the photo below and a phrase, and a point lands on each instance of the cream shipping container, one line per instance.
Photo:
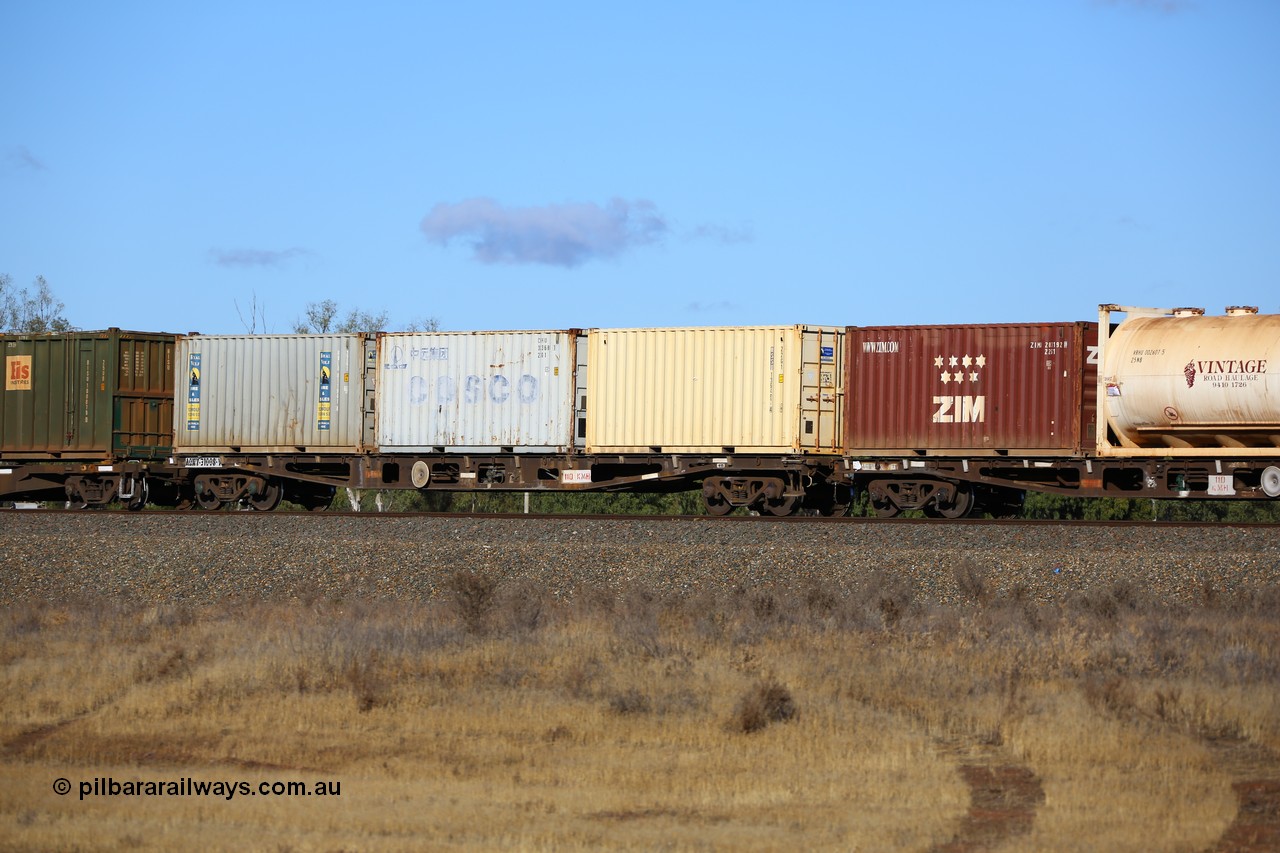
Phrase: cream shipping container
(748, 389)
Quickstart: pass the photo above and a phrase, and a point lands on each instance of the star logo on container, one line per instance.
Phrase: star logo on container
(959, 376)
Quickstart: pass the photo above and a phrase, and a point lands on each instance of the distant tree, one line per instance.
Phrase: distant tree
(257, 322)
(324, 317)
(29, 311)
(320, 318)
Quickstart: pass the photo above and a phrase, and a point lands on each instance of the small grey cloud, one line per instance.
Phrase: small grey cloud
(21, 156)
(728, 235)
(255, 257)
(1164, 7)
(705, 307)
(564, 235)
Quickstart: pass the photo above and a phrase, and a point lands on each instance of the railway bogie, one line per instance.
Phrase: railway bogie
(214, 490)
(764, 493)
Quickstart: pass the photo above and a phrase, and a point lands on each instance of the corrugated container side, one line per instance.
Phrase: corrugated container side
(1017, 388)
(259, 393)
(690, 390)
(476, 391)
(91, 395)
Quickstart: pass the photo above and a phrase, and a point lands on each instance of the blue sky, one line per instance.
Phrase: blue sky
(167, 166)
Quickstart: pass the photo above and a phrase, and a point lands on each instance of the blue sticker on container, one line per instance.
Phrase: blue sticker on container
(193, 391)
(828, 353)
(326, 388)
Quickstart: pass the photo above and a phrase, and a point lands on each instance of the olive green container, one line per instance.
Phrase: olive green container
(87, 395)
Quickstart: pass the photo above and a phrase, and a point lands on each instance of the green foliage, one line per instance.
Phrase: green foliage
(1040, 505)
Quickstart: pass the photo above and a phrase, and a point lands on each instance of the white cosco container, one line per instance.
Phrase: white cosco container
(476, 391)
(273, 393)
(744, 389)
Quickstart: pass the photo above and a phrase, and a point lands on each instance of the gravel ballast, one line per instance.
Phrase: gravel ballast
(196, 558)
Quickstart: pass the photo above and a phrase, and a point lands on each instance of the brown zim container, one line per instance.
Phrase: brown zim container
(1015, 389)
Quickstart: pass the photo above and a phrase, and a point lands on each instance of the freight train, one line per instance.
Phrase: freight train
(952, 420)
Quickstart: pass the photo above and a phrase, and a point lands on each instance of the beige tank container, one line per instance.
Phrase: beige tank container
(1187, 383)
(732, 389)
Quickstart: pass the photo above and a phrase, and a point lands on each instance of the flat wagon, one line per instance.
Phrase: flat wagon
(927, 408)
(256, 416)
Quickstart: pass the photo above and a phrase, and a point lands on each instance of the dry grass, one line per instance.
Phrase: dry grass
(762, 719)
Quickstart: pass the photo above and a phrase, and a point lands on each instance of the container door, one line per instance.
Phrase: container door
(142, 425)
(580, 393)
(821, 391)
(369, 397)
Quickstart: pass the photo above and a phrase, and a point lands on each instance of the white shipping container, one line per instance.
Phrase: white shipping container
(749, 389)
(277, 393)
(476, 391)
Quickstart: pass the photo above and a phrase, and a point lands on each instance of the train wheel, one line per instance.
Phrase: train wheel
(269, 499)
(208, 500)
(780, 506)
(958, 508)
(885, 508)
(717, 505)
